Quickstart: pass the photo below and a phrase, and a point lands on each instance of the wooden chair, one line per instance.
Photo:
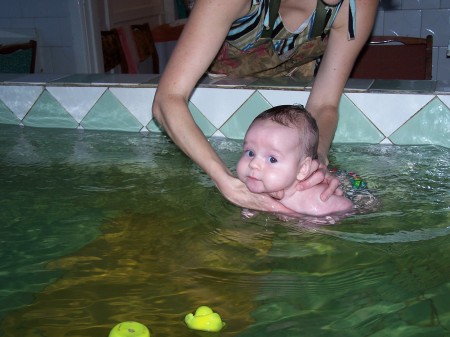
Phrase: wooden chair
(18, 58)
(145, 45)
(395, 57)
(113, 55)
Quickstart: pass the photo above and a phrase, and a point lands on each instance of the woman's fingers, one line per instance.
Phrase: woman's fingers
(321, 175)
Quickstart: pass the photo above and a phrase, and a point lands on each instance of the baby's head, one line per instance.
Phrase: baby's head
(278, 148)
(297, 117)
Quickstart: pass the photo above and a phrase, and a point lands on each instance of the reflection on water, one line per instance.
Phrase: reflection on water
(99, 228)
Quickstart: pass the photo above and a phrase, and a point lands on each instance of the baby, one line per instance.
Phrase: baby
(278, 149)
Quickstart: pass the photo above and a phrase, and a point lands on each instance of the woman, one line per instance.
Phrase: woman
(211, 22)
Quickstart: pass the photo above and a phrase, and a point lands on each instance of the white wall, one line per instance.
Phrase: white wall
(129, 12)
(68, 31)
(62, 43)
(419, 18)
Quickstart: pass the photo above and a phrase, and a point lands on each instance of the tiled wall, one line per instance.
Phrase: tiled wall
(419, 18)
(50, 22)
(46, 21)
(398, 112)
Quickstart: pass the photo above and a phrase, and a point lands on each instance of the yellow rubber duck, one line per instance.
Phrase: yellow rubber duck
(129, 329)
(204, 319)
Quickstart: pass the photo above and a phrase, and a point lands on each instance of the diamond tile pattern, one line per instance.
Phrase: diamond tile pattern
(109, 114)
(19, 99)
(137, 100)
(388, 112)
(77, 100)
(354, 126)
(47, 112)
(367, 113)
(203, 123)
(219, 104)
(239, 122)
(7, 116)
(430, 125)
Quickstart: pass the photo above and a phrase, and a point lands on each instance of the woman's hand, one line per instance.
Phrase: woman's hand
(237, 193)
(321, 175)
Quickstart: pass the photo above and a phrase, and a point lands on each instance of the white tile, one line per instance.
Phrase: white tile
(443, 65)
(20, 99)
(389, 111)
(10, 9)
(445, 99)
(378, 26)
(421, 4)
(77, 100)
(219, 104)
(402, 23)
(436, 23)
(435, 58)
(52, 36)
(279, 97)
(137, 100)
(445, 4)
(44, 8)
(219, 134)
(45, 60)
(63, 60)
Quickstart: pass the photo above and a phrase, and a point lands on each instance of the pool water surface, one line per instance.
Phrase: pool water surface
(103, 227)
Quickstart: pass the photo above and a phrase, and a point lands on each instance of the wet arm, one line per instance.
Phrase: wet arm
(335, 69)
(199, 43)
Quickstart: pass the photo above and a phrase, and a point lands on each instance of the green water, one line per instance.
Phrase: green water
(103, 227)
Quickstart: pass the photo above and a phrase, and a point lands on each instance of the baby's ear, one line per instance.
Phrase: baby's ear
(305, 168)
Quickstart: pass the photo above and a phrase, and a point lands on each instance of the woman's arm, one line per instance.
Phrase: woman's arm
(199, 43)
(335, 68)
(334, 71)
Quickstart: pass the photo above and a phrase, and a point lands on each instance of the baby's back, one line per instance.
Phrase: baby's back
(308, 202)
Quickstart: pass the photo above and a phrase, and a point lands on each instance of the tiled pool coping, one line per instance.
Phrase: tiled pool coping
(371, 111)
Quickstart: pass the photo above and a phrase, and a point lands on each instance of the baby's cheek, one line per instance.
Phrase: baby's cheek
(274, 179)
(240, 169)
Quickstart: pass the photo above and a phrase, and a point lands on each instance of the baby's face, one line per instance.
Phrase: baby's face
(271, 158)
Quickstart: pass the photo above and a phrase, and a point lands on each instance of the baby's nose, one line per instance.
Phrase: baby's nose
(255, 163)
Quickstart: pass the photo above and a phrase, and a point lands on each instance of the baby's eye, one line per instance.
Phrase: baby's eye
(273, 160)
(250, 153)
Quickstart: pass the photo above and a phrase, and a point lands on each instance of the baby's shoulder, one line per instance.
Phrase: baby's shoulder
(314, 205)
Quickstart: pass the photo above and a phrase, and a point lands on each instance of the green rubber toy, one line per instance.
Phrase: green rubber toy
(204, 319)
(130, 329)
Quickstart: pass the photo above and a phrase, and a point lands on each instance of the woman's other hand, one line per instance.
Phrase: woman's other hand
(237, 193)
(321, 175)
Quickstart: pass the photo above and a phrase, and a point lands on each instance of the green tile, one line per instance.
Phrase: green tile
(47, 112)
(7, 116)
(152, 126)
(431, 125)
(109, 114)
(354, 126)
(203, 123)
(237, 125)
